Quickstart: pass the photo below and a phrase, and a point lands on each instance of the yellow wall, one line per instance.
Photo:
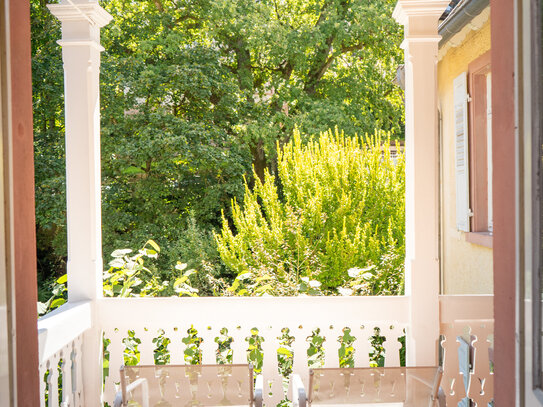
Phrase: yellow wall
(466, 267)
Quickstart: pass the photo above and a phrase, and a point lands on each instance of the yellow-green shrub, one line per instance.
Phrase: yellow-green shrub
(338, 203)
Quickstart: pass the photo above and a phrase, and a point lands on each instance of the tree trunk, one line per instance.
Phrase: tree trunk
(259, 159)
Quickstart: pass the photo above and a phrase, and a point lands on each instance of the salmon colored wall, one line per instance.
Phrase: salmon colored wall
(23, 213)
(503, 151)
(466, 267)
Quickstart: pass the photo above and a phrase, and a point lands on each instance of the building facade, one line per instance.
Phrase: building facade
(465, 131)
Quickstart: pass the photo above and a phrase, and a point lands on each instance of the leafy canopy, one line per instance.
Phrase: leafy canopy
(196, 92)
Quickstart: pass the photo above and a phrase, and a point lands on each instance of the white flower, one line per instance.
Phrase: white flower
(305, 279)
(180, 266)
(354, 272)
(244, 276)
(117, 263)
(314, 284)
(345, 291)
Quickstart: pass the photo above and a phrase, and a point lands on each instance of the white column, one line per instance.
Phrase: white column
(420, 20)
(81, 22)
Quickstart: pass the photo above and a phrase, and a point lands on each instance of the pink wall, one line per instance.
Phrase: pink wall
(23, 233)
(503, 125)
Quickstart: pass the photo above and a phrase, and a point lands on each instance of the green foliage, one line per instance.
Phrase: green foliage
(124, 277)
(340, 205)
(402, 350)
(129, 277)
(181, 284)
(255, 354)
(315, 350)
(49, 166)
(385, 278)
(377, 356)
(106, 355)
(131, 353)
(224, 353)
(59, 296)
(161, 353)
(285, 355)
(346, 349)
(194, 92)
(192, 353)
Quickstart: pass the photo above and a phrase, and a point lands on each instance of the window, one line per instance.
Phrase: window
(473, 132)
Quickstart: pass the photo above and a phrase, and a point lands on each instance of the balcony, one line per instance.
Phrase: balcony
(72, 338)
(84, 343)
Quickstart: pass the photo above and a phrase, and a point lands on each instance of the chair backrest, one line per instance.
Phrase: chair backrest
(412, 386)
(188, 385)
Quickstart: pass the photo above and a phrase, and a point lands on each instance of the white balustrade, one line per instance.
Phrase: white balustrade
(63, 331)
(147, 318)
(60, 336)
(471, 319)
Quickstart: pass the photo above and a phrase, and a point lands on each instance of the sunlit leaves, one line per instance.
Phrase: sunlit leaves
(195, 91)
(128, 275)
(338, 218)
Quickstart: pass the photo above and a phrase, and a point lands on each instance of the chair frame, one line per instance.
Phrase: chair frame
(255, 391)
(302, 399)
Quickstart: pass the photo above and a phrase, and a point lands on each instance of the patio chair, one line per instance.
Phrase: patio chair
(375, 386)
(189, 385)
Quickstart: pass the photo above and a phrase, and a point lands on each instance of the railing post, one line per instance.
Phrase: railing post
(81, 22)
(420, 20)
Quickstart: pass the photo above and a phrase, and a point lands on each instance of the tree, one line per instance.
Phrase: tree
(49, 159)
(197, 92)
(171, 160)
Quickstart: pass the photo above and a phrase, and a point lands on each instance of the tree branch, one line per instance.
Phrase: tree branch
(317, 74)
(322, 62)
(322, 15)
(244, 68)
(186, 17)
(323, 59)
(279, 18)
(159, 5)
(286, 69)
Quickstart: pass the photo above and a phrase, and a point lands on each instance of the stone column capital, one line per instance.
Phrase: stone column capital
(77, 11)
(418, 8)
(81, 22)
(420, 18)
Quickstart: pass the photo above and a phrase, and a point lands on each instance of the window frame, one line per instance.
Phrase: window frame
(478, 69)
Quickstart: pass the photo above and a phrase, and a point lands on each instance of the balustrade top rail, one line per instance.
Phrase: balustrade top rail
(60, 327)
(465, 307)
(253, 310)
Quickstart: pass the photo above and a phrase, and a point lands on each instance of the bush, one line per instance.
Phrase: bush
(129, 276)
(338, 204)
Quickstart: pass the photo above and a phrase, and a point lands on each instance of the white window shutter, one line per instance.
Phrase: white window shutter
(461, 152)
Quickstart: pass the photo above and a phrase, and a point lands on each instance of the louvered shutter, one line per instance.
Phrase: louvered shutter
(461, 152)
